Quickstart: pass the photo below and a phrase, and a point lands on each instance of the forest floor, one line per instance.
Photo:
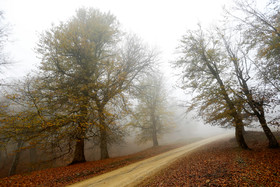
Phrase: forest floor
(220, 163)
(224, 164)
(62, 176)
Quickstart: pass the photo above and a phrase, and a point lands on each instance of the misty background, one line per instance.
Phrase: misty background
(159, 23)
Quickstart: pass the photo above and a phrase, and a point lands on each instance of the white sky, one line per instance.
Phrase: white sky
(160, 23)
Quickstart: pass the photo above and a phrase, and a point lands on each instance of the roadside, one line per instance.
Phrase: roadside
(61, 176)
(134, 174)
(223, 164)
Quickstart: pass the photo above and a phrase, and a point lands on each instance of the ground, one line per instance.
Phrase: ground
(223, 164)
(217, 164)
(62, 176)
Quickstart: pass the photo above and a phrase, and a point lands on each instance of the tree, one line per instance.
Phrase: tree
(19, 121)
(151, 115)
(74, 59)
(259, 30)
(204, 68)
(256, 100)
(86, 63)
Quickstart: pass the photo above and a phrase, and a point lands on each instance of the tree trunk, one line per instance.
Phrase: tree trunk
(271, 138)
(79, 155)
(154, 127)
(234, 113)
(103, 135)
(103, 144)
(239, 137)
(256, 106)
(243, 130)
(239, 127)
(1, 159)
(33, 158)
(258, 110)
(155, 141)
(16, 158)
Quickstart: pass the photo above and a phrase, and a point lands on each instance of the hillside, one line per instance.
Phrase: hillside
(224, 164)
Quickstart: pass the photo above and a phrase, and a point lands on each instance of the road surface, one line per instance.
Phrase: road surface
(133, 174)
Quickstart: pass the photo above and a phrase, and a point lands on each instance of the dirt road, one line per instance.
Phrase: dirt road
(133, 174)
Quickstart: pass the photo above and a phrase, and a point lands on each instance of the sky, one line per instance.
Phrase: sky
(160, 23)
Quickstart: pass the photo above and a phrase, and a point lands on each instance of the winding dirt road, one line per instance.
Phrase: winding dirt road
(133, 174)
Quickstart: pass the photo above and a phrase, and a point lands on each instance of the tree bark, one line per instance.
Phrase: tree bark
(103, 144)
(271, 138)
(155, 141)
(33, 158)
(16, 158)
(154, 128)
(243, 130)
(79, 155)
(239, 137)
(1, 159)
(258, 110)
(103, 135)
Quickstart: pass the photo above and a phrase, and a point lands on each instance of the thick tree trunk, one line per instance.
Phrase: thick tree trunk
(239, 137)
(16, 158)
(79, 155)
(103, 144)
(103, 135)
(243, 130)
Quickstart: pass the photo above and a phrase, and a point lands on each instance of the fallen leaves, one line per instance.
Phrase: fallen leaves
(62, 176)
(223, 164)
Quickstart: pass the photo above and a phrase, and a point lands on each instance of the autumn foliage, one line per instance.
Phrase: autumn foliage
(61, 176)
(221, 163)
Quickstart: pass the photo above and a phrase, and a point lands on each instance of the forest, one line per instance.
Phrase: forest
(97, 84)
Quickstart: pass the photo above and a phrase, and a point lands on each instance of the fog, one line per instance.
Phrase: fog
(160, 23)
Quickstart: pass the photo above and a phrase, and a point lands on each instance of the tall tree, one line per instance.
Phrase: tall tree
(205, 71)
(259, 30)
(151, 115)
(85, 65)
(253, 97)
